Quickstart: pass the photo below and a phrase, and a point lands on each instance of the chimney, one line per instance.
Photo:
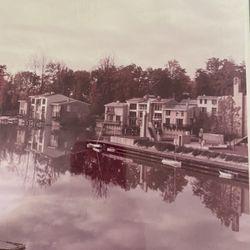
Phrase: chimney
(236, 85)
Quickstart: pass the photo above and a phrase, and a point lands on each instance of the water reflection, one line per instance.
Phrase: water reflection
(125, 188)
(39, 156)
(226, 199)
(106, 170)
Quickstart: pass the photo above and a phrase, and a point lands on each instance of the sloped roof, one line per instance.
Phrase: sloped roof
(136, 100)
(116, 104)
(58, 99)
(178, 106)
(207, 97)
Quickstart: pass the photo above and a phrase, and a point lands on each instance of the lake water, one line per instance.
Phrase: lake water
(53, 199)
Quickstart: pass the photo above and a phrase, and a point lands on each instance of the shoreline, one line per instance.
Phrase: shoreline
(189, 161)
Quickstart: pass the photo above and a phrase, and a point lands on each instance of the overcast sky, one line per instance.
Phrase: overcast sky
(144, 32)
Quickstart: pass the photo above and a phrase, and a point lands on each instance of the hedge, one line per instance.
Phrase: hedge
(163, 146)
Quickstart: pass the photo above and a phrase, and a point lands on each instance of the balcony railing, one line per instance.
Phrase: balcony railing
(110, 112)
(174, 126)
(112, 122)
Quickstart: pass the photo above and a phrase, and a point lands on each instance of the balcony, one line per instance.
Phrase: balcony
(112, 122)
(110, 112)
(175, 126)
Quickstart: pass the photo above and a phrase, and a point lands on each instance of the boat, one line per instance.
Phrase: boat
(7, 245)
(172, 163)
(112, 150)
(94, 145)
(227, 174)
(98, 150)
(221, 146)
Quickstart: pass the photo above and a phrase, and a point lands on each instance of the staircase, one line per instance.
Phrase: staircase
(152, 131)
(238, 140)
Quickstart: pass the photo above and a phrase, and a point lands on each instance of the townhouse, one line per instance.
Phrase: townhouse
(52, 109)
(148, 116)
(115, 118)
(211, 105)
(180, 115)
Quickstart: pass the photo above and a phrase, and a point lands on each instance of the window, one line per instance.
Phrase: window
(179, 123)
(32, 100)
(157, 116)
(203, 109)
(205, 101)
(38, 101)
(214, 101)
(110, 117)
(200, 101)
(168, 112)
(140, 114)
(43, 113)
(132, 106)
(167, 121)
(110, 109)
(44, 101)
(132, 118)
(118, 118)
(182, 113)
(157, 106)
(132, 114)
(214, 110)
(143, 106)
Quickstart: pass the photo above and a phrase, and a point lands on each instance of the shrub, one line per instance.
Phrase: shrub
(196, 152)
(222, 155)
(170, 146)
(186, 150)
(179, 149)
(213, 154)
(164, 146)
(144, 142)
(229, 158)
(205, 153)
(160, 146)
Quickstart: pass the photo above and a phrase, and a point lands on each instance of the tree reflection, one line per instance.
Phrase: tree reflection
(224, 198)
(105, 170)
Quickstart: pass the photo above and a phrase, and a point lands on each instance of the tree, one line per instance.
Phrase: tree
(161, 83)
(81, 85)
(102, 80)
(25, 83)
(4, 89)
(127, 82)
(228, 119)
(203, 83)
(179, 78)
(38, 66)
(2, 84)
(218, 76)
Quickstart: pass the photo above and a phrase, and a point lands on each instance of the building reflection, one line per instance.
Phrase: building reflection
(47, 153)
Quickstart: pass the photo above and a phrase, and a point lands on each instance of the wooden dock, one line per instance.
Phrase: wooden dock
(7, 245)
